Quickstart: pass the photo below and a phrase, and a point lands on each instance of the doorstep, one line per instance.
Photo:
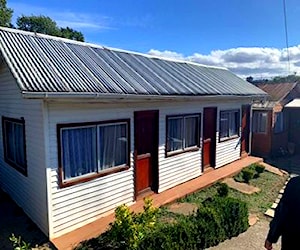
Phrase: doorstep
(69, 240)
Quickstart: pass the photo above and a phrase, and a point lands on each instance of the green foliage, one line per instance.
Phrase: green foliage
(179, 235)
(258, 168)
(45, 25)
(18, 243)
(130, 228)
(39, 24)
(250, 172)
(234, 215)
(209, 226)
(71, 34)
(5, 14)
(222, 189)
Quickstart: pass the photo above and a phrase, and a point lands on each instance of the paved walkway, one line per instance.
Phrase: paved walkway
(69, 240)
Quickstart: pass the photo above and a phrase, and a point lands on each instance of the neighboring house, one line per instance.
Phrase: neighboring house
(87, 128)
(271, 133)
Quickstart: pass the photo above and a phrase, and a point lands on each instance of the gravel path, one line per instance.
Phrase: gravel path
(253, 239)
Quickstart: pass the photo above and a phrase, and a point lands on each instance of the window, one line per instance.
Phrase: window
(260, 121)
(182, 133)
(278, 126)
(229, 124)
(91, 150)
(14, 143)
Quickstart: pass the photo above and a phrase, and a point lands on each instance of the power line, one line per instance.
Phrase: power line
(286, 36)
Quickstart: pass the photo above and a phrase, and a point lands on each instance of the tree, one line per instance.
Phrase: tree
(45, 25)
(71, 34)
(39, 24)
(5, 14)
(249, 79)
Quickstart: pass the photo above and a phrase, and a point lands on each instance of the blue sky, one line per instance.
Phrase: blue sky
(247, 37)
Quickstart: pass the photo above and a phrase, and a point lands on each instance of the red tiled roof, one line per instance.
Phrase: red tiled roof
(277, 91)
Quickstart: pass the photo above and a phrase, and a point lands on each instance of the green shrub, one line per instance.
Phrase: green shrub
(222, 189)
(209, 227)
(259, 168)
(18, 243)
(248, 174)
(234, 215)
(169, 236)
(130, 228)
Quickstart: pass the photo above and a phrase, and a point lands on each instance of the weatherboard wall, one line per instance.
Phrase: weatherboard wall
(29, 192)
(80, 204)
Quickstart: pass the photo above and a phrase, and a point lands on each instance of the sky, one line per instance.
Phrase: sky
(245, 36)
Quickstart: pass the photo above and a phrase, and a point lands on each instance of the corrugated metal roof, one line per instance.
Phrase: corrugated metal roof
(42, 63)
(277, 91)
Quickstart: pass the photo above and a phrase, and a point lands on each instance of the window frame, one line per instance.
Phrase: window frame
(21, 121)
(254, 125)
(90, 176)
(184, 149)
(237, 135)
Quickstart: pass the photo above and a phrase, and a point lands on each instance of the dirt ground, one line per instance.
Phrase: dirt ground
(13, 220)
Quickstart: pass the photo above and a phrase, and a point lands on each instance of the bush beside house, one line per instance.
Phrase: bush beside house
(217, 219)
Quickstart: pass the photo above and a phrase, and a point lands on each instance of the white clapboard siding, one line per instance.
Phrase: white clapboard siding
(80, 204)
(229, 150)
(29, 192)
(176, 169)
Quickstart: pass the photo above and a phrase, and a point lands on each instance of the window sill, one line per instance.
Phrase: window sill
(83, 179)
(228, 138)
(21, 170)
(178, 152)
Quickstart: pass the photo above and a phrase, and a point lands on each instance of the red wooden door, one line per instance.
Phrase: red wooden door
(209, 137)
(146, 151)
(245, 129)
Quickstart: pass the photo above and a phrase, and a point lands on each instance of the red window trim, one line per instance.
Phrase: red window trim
(22, 170)
(67, 183)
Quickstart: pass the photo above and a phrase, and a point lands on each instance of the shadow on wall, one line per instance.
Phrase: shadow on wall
(289, 163)
(13, 220)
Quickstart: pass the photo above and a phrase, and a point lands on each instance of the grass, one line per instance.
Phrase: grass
(269, 183)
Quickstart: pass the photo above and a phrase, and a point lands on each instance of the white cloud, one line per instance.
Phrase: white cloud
(254, 61)
(166, 54)
(75, 20)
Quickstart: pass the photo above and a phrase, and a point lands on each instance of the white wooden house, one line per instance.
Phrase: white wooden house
(87, 128)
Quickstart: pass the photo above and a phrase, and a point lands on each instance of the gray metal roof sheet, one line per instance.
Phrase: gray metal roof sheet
(42, 63)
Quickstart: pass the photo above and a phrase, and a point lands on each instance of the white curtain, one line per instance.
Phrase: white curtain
(112, 145)
(191, 129)
(79, 151)
(175, 134)
(224, 125)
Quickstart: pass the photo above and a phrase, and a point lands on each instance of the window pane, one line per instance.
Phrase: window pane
(229, 124)
(175, 134)
(15, 143)
(79, 151)
(113, 145)
(233, 123)
(224, 125)
(191, 131)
